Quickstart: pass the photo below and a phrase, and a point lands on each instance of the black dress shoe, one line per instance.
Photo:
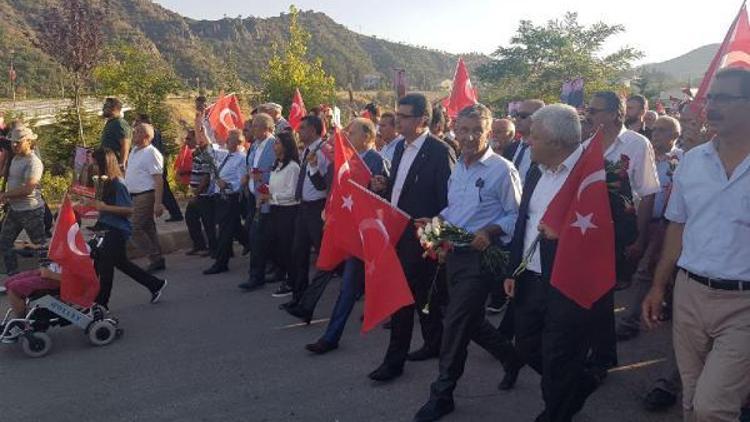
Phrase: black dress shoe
(433, 410)
(215, 270)
(194, 251)
(156, 266)
(300, 313)
(510, 377)
(250, 286)
(385, 372)
(659, 400)
(422, 354)
(321, 347)
(174, 219)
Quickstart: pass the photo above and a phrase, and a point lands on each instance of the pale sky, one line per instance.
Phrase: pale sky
(662, 29)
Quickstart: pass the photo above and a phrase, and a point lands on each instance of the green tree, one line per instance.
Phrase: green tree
(293, 69)
(541, 58)
(58, 141)
(144, 79)
(651, 82)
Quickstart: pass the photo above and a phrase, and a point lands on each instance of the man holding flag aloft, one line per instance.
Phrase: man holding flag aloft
(564, 252)
(484, 192)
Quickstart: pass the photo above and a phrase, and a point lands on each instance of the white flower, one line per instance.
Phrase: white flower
(428, 228)
(429, 245)
(436, 230)
(420, 232)
(435, 221)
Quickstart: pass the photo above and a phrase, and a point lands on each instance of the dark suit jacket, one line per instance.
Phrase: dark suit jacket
(510, 150)
(425, 190)
(547, 248)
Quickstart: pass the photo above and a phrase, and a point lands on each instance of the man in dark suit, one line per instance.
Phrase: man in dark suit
(418, 185)
(553, 334)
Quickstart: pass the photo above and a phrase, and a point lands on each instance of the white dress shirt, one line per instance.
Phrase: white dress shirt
(407, 159)
(143, 164)
(283, 185)
(546, 189)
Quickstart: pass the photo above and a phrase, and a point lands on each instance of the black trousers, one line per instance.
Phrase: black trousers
(603, 354)
(228, 218)
(261, 249)
(420, 274)
(111, 255)
(553, 335)
(200, 217)
(308, 233)
(168, 199)
(282, 239)
(464, 321)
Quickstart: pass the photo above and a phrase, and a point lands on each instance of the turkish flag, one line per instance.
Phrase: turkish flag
(734, 52)
(297, 110)
(379, 225)
(463, 94)
(581, 218)
(183, 165)
(338, 240)
(224, 116)
(79, 284)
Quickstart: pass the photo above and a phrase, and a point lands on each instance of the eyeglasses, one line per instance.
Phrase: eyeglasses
(725, 98)
(593, 110)
(405, 116)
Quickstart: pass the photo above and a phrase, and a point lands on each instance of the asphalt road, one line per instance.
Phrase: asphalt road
(210, 352)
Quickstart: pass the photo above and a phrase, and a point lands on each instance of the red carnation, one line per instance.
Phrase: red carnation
(263, 189)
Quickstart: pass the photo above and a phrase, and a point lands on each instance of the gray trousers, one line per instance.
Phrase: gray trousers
(15, 221)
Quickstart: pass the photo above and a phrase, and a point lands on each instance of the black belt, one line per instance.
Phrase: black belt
(317, 202)
(717, 283)
(141, 193)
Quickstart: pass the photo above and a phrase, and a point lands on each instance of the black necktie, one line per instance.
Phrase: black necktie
(301, 177)
(519, 158)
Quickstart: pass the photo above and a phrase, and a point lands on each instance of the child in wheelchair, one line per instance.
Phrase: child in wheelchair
(26, 285)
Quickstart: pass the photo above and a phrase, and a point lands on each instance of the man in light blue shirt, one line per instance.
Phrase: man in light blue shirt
(707, 239)
(388, 135)
(484, 193)
(228, 184)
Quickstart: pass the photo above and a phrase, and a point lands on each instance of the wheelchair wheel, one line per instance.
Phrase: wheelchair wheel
(102, 332)
(35, 344)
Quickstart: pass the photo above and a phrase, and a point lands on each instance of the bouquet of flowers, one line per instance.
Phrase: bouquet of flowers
(438, 238)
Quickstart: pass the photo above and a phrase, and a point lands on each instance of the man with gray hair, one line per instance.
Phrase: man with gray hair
(23, 196)
(552, 332)
(274, 110)
(143, 178)
(518, 152)
(484, 191)
(503, 132)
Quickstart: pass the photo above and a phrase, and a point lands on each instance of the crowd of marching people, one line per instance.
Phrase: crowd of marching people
(678, 196)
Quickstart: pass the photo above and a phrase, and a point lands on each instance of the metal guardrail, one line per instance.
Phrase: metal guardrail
(43, 112)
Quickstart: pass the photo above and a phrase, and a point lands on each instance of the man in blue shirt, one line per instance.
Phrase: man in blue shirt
(228, 185)
(484, 192)
(709, 214)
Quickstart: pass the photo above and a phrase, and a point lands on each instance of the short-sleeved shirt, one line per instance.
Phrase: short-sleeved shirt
(143, 164)
(114, 132)
(117, 195)
(715, 210)
(22, 169)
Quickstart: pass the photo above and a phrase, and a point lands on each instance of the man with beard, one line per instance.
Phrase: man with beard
(636, 108)
(117, 133)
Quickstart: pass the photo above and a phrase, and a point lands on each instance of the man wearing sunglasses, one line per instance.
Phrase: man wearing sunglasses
(518, 152)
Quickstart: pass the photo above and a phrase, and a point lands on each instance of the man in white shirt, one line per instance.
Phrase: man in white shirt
(633, 153)
(387, 135)
(143, 177)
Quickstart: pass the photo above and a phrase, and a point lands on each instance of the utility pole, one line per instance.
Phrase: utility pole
(12, 76)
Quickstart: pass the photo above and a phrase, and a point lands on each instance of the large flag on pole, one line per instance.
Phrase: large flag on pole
(734, 52)
(224, 116)
(463, 93)
(296, 110)
(339, 239)
(580, 217)
(378, 225)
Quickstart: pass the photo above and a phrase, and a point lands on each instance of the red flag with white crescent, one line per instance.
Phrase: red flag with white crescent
(296, 110)
(378, 225)
(580, 217)
(734, 52)
(224, 116)
(79, 284)
(463, 93)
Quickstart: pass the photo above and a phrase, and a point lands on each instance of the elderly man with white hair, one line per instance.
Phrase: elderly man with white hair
(143, 178)
(23, 195)
(274, 110)
(553, 333)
